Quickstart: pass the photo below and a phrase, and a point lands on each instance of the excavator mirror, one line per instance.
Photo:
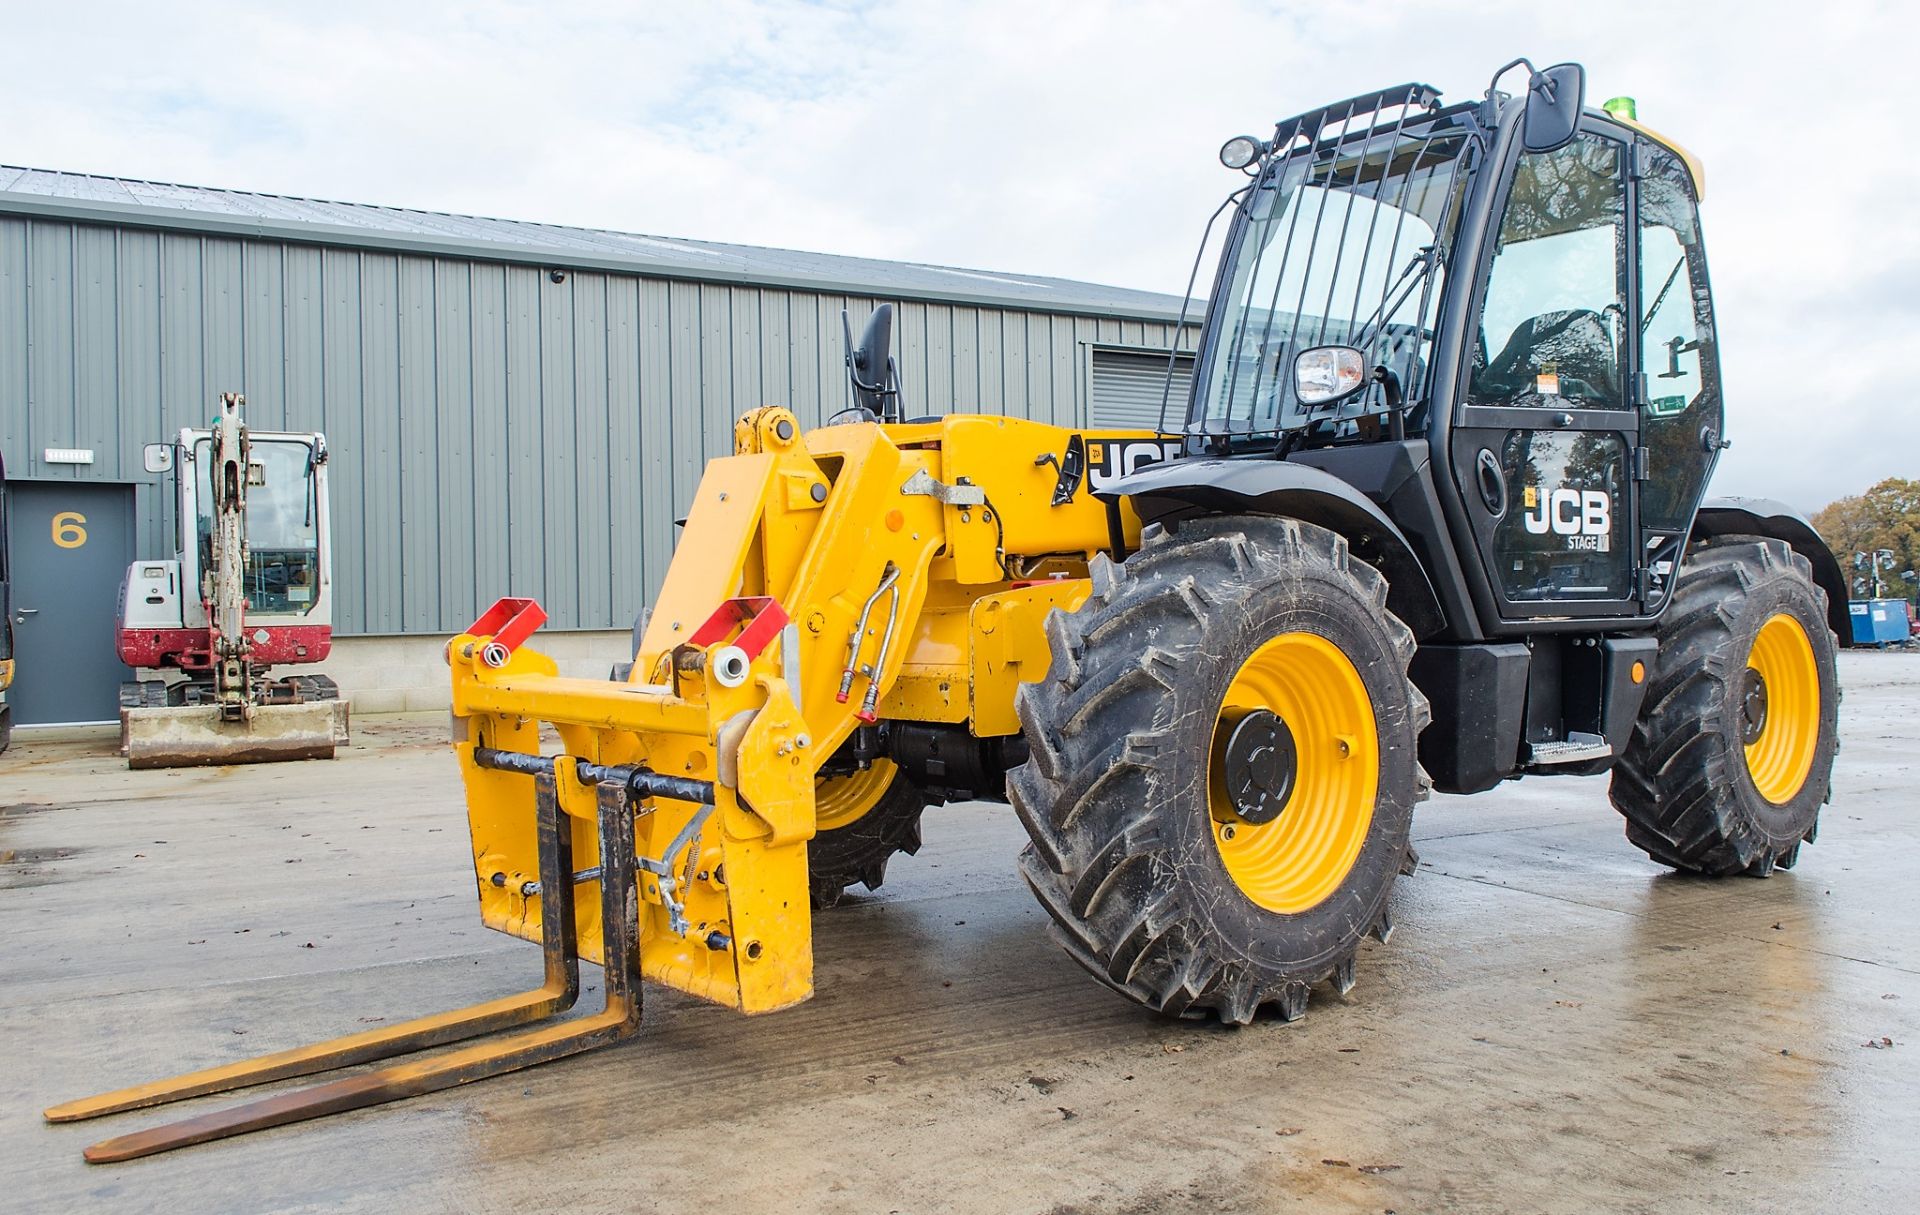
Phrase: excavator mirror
(1554, 98)
(157, 457)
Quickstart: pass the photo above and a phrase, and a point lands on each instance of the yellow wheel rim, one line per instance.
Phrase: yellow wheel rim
(1781, 709)
(1296, 860)
(839, 800)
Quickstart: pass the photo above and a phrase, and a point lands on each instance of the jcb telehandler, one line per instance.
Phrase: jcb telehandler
(1432, 517)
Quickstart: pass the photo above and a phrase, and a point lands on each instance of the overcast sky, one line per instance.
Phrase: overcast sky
(1073, 139)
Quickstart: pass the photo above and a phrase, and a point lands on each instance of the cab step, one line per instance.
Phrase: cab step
(1575, 748)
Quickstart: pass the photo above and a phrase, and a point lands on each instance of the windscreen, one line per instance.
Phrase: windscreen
(1338, 242)
(283, 525)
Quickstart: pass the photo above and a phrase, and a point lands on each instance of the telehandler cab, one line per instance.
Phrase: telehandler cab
(1432, 518)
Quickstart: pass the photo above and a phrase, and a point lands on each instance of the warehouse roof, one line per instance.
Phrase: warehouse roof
(88, 198)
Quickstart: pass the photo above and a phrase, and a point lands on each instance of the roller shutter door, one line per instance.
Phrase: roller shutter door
(1127, 387)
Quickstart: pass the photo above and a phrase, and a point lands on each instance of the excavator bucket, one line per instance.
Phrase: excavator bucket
(614, 803)
(191, 736)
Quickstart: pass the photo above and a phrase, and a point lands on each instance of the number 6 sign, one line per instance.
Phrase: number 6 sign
(69, 530)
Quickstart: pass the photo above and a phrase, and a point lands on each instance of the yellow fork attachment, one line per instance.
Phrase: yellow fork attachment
(619, 908)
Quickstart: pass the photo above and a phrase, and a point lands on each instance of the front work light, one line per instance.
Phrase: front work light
(1240, 151)
(1326, 374)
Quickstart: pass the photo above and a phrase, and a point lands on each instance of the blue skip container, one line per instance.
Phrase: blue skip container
(1879, 621)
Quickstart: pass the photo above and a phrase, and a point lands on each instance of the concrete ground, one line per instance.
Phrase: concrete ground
(1558, 1025)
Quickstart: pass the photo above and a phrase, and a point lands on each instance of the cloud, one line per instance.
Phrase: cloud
(1073, 139)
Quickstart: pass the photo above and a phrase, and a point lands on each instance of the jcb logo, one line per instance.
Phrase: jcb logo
(1110, 459)
(1570, 512)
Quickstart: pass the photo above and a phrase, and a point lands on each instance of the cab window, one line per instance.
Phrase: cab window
(1552, 329)
(1677, 356)
(283, 532)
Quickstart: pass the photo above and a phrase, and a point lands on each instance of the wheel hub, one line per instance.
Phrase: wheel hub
(1261, 766)
(1753, 707)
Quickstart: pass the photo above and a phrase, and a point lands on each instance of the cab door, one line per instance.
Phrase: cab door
(1680, 401)
(1545, 435)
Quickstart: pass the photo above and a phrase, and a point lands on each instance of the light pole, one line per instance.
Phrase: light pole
(1874, 562)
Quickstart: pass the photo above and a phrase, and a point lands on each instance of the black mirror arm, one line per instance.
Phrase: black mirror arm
(1677, 346)
(1494, 84)
(1396, 402)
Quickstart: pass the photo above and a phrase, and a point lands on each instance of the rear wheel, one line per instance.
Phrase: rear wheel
(863, 818)
(1729, 763)
(1223, 767)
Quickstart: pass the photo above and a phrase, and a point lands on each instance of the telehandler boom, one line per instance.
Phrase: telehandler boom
(1432, 518)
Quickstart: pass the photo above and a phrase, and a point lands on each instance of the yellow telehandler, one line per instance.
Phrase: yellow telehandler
(1432, 517)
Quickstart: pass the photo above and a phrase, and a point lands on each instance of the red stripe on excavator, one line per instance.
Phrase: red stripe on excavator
(188, 648)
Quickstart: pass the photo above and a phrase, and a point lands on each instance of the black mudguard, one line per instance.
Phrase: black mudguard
(1166, 492)
(1778, 521)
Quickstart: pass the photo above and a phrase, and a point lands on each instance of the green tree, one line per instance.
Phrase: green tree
(1887, 516)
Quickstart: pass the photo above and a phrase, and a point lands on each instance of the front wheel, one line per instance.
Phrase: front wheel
(1223, 767)
(1729, 763)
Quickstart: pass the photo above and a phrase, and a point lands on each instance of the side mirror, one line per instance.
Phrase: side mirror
(157, 457)
(1555, 96)
(870, 364)
(1327, 375)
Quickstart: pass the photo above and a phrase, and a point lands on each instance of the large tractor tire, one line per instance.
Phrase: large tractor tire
(863, 818)
(1729, 763)
(1222, 768)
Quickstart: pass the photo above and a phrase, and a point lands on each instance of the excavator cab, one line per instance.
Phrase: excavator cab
(283, 580)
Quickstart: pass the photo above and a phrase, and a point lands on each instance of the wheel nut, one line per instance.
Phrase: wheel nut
(1226, 831)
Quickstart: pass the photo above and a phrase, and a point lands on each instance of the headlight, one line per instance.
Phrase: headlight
(1240, 151)
(1326, 374)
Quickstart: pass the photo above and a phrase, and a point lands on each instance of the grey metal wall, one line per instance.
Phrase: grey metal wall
(492, 431)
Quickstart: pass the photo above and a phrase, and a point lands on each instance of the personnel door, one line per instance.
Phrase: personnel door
(1543, 445)
(70, 543)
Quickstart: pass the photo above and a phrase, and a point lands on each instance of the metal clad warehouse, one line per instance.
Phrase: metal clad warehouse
(510, 406)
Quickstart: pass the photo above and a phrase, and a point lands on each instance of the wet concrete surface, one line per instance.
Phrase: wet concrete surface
(1557, 1025)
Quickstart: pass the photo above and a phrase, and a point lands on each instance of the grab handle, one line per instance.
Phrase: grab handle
(1493, 485)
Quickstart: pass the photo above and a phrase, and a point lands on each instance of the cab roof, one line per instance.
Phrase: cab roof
(1695, 169)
